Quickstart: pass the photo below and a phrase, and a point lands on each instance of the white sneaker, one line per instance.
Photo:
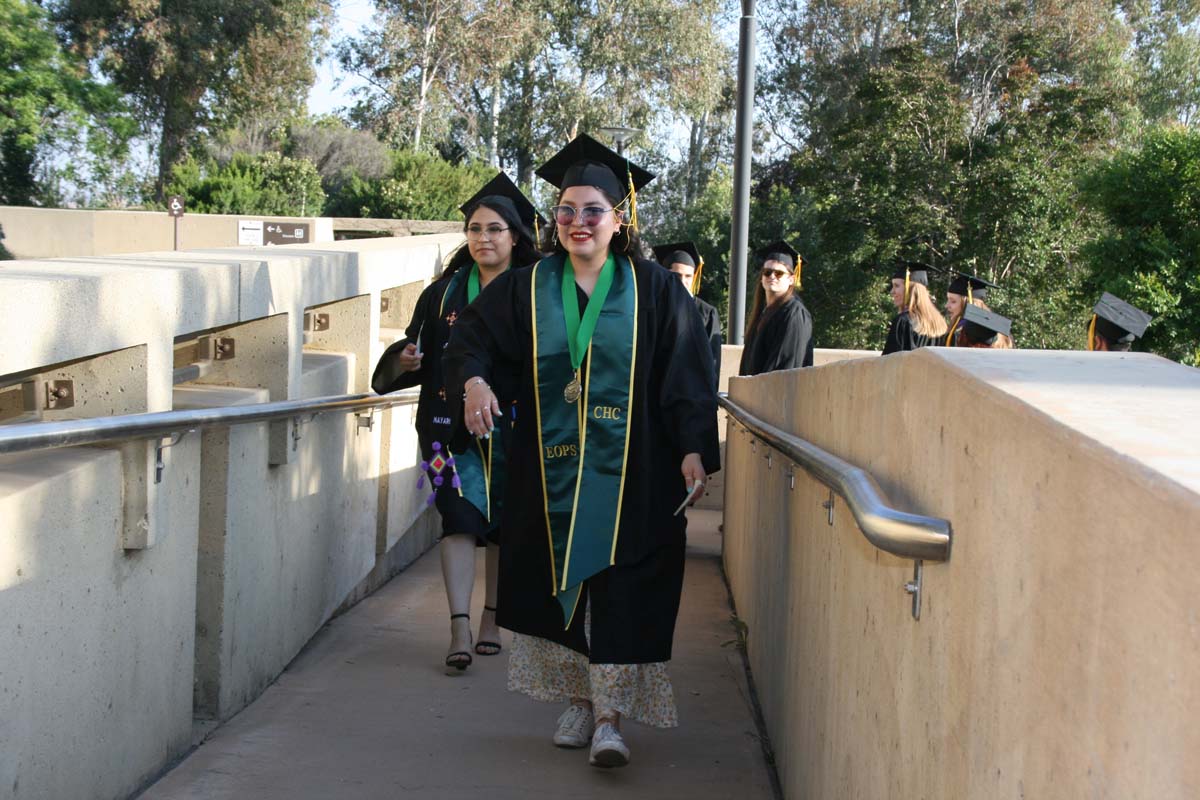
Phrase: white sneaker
(575, 727)
(608, 748)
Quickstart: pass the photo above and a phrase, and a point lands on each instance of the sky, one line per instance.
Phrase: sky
(332, 89)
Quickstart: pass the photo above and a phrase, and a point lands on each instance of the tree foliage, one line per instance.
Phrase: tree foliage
(1150, 253)
(48, 107)
(193, 68)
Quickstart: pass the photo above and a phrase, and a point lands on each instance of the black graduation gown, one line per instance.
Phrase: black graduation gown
(783, 340)
(712, 327)
(634, 603)
(433, 319)
(902, 336)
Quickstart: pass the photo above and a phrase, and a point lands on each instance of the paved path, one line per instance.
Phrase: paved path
(365, 712)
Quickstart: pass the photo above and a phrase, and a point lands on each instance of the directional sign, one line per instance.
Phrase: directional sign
(250, 232)
(175, 205)
(285, 233)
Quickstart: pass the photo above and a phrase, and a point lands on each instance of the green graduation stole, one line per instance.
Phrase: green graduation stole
(481, 468)
(584, 443)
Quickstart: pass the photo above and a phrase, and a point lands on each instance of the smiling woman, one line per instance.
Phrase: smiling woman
(466, 477)
(617, 381)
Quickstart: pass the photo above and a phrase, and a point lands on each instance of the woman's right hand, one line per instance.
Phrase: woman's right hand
(410, 359)
(480, 407)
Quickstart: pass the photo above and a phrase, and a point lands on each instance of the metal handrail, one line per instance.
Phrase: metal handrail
(32, 436)
(897, 532)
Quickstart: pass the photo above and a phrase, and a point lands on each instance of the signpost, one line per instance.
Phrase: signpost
(175, 210)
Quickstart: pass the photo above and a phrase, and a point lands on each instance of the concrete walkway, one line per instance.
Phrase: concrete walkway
(366, 712)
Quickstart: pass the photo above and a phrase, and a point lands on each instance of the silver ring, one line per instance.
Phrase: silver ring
(479, 413)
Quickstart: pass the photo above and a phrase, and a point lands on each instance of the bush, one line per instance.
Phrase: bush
(267, 184)
(418, 186)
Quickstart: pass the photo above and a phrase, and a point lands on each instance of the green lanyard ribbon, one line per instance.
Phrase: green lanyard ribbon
(473, 284)
(580, 332)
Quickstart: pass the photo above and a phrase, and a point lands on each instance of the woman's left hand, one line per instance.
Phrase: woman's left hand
(693, 473)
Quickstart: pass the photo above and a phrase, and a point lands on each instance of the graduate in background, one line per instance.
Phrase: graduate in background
(1115, 324)
(985, 329)
(968, 290)
(917, 322)
(685, 260)
(466, 478)
(619, 425)
(779, 331)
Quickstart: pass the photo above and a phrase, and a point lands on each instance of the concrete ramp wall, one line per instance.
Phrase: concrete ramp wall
(133, 605)
(1058, 651)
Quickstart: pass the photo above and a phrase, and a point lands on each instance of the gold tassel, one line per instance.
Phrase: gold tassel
(632, 199)
(953, 329)
(696, 277)
(907, 272)
(799, 268)
(537, 234)
(1092, 334)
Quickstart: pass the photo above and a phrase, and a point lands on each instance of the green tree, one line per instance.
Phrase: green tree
(194, 68)
(1150, 256)
(268, 184)
(48, 107)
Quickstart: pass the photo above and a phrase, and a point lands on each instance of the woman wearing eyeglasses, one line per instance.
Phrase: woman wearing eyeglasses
(779, 331)
(466, 477)
(617, 432)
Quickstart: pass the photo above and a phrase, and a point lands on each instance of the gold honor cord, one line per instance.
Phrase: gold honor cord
(537, 405)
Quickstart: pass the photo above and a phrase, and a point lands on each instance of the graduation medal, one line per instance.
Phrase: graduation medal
(574, 389)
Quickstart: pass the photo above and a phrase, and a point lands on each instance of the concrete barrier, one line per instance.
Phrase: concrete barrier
(132, 607)
(1057, 653)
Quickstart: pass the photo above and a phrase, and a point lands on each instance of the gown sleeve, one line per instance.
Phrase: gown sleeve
(388, 377)
(898, 336)
(687, 394)
(713, 329)
(486, 341)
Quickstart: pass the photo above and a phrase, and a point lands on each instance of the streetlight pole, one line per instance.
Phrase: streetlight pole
(739, 234)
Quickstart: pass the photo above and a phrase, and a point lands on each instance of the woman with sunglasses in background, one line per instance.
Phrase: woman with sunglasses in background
(779, 331)
(618, 431)
(466, 477)
(917, 322)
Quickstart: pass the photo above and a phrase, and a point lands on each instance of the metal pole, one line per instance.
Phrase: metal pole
(176, 232)
(739, 234)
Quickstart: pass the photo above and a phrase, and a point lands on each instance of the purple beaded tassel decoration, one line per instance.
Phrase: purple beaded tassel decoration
(437, 466)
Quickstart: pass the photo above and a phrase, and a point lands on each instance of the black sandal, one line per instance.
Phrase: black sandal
(494, 647)
(456, 659)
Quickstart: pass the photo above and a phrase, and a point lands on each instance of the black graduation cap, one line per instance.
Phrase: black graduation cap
(1118, 321)
(503, 191)
(782, 252)
(981, 327)
(678, 253)
(586, 162)
(915, 271)
(963, 281)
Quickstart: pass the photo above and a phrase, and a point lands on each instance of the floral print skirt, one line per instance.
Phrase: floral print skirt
(549, 672)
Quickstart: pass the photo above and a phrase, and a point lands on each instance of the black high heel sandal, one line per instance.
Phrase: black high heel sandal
(460, 659)
(495, 647)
